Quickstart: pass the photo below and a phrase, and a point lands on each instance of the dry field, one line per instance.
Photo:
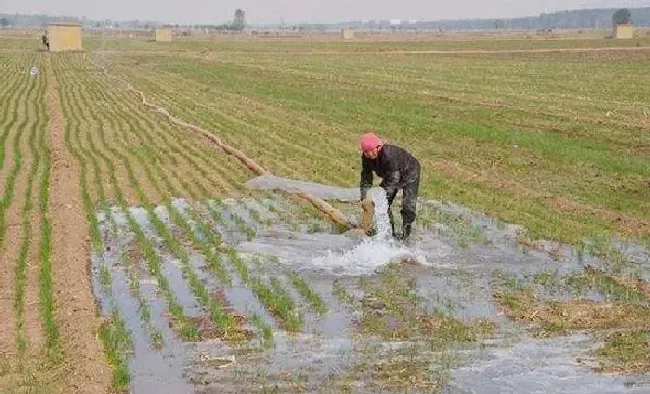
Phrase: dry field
(134, 256)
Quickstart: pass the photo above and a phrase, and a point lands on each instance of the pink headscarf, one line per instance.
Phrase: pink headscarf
(369, 142)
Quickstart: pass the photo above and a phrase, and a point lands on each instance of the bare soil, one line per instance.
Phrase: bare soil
(76, 311)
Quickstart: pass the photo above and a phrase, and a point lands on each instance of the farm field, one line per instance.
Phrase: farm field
(138, 256)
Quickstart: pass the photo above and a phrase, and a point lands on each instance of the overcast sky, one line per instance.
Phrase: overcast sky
(297, 11)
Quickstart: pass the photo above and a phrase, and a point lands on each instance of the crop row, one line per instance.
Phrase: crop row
(35, 126)
(137, 154)
(46, 294)
(239, 121)
(25, 226)
(172, 244)
(270, 294)
(113, 332)
(215, 310)
(24, 151)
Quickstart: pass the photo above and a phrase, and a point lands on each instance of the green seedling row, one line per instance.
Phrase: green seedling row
(20, 282)
(113, 333)
(73, 123)
(45, 247)
(12, 175)
(274, 297)
(215, 310)
(186, 327)
(144, 308)
(314, 299)
(118, 344)
(265, 330)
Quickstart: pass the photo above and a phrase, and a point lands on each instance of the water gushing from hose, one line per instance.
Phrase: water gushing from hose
(372, 253)
(382, 221)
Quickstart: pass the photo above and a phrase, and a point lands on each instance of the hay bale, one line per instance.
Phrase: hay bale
(623, 31)
(347, 34)
(163, 34)
(64, 37)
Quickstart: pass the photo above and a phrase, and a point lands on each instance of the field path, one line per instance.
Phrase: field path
(208, 55)
(74, 300)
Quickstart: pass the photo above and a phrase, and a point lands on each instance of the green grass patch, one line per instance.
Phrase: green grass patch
(342, 294)
(156, 339)
(265, 330)
(392, 310)
(626, 306)
(118, 344)
(626, 352)
(45, 246)
(314, 299)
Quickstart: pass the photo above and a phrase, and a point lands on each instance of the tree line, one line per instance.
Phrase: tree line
(576, 19)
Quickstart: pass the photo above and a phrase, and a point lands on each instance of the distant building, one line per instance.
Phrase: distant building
(64, 37)
(623, 31)
(347, 34)
(163, 34)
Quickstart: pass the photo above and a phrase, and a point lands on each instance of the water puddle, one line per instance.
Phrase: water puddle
(321, 304)
(540, 366)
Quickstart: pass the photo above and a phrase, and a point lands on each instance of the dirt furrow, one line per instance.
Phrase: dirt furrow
(75, 304)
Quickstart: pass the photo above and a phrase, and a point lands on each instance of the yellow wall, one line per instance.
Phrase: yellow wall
(624, 31)
(163, 35)
(64, 38)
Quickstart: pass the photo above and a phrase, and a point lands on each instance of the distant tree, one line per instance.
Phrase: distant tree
(498, 24)
(239, 22)
(622, 16)
(4, 22)
(98, 25)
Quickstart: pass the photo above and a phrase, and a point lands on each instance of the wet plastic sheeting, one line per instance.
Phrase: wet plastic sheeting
(324, 192)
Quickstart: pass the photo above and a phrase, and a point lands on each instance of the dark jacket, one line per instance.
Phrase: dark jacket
(394, 165)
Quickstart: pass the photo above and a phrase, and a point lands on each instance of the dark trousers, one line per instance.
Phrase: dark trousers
(410, 187)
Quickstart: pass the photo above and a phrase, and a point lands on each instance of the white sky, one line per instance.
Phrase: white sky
(297, 11)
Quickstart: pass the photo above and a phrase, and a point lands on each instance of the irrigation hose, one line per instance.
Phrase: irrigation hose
(334, 214)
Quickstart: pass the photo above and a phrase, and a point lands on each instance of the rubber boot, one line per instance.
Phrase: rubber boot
(406, 232)
(392, 223)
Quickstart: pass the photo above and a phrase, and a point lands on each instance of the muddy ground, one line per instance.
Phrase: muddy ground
(369, 315)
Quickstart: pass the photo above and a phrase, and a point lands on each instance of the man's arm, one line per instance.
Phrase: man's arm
(366, 177)
(391, 182)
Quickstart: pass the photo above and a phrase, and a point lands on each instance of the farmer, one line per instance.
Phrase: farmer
(398, 169)
(45, 41)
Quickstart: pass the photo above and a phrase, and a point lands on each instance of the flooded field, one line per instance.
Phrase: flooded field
(261, 294)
